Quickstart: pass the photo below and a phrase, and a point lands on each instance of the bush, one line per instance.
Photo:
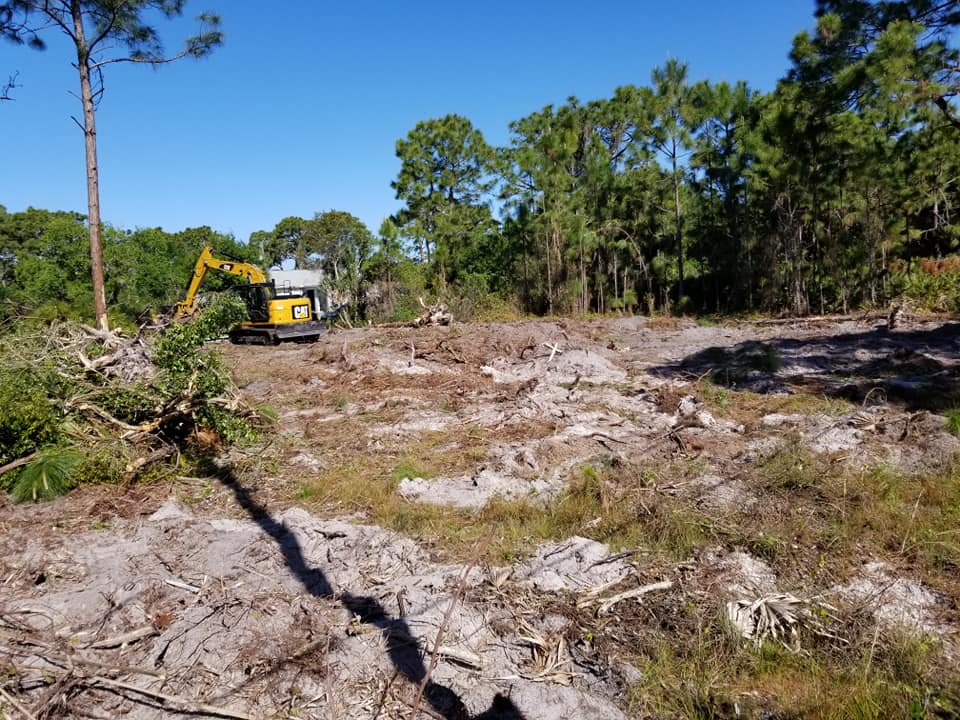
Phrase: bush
(52, 405)
(930, 284)
(175, 350)
(28, 420)
(186, 369)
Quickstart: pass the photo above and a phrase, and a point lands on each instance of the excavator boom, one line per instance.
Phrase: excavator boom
(206, 262)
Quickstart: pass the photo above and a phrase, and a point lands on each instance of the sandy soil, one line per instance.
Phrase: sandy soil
(221, 596)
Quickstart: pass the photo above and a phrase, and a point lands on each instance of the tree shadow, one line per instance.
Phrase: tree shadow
(916, 368)
(401, 645)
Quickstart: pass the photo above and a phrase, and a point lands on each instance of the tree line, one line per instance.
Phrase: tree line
(834, 191)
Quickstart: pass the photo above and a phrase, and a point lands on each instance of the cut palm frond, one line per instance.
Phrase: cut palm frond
(47, 476)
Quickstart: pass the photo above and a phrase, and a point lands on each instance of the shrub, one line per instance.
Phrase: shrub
(28, 420)
(931, 284)
(952, 423)
(175, 350)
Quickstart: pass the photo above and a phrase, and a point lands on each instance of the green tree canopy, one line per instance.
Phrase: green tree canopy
(102, 33)
(444, 179)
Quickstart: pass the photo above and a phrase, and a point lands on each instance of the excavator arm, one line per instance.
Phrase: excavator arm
(206, 262)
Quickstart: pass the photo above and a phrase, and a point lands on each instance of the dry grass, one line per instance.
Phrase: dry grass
(814, 519)
(707, 674)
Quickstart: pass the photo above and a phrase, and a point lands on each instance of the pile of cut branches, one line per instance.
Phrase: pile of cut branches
(437, 314)
(82, 405)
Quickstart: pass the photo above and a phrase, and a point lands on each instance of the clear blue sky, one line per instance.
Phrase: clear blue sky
(300, 110)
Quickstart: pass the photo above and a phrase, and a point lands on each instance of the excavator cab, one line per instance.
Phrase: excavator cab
(257, 297)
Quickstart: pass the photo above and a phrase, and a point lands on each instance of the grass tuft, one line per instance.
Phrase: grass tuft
(952, 422)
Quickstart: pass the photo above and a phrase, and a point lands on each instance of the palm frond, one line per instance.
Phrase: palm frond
(47, 476)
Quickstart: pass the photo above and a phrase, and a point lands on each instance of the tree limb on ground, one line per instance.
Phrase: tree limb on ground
(18, 463)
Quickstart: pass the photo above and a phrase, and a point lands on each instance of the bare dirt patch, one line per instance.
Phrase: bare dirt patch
(609, 485)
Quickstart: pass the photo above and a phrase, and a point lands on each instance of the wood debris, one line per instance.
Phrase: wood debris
(778, 617)
(436, 315)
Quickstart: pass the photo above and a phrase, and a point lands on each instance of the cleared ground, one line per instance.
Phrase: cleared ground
(540, 519)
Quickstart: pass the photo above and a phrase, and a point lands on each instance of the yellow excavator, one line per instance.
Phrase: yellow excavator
(276, 314)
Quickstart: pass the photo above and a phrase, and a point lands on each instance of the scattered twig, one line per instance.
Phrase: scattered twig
(554, 350)
(183, 704)
(125, 638)
(182, 585)
(607, 604)
(17, 706)
(385, 694)
(615, 557)
(445, 623)
(417, 708)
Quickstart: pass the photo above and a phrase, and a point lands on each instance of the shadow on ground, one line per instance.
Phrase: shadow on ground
(401, 645)
(917, 368)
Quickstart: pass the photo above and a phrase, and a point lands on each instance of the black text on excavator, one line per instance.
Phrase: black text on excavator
(276, 315)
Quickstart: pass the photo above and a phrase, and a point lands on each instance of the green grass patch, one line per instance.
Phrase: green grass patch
(408, 468)
(706, 673)
(952, 422)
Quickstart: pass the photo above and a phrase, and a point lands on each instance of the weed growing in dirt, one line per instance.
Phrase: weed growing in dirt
(789, 467)
(952, 422)
(409, 469)
(716, 397)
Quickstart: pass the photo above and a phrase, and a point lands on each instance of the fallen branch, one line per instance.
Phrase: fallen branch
(17, 463)
(126, 638)
(134, 467)
(104, 415)
(593, 595)
(608, 604)
(180, 704)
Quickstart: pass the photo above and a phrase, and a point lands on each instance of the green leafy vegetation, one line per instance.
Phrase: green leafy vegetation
(28, 419)
(952, 422)
(63, 423)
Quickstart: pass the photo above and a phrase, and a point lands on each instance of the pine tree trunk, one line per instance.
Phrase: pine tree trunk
(584, 300)
(93, 171)
(678, 218)
(549, 274)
